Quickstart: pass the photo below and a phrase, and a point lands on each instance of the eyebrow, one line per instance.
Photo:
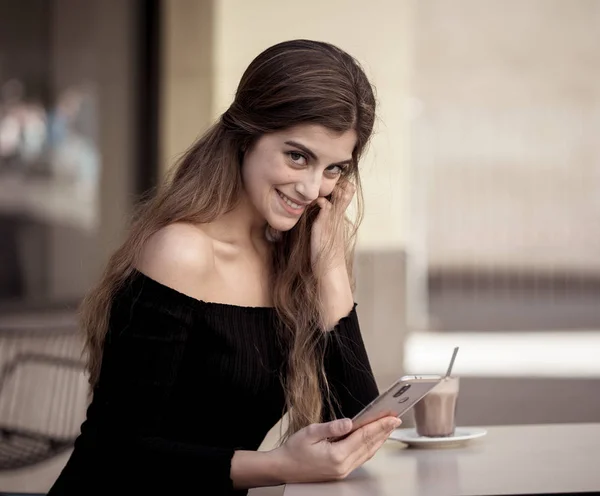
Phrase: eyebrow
(312, 154)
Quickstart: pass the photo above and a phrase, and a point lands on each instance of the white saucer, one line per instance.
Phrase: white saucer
(462, 436)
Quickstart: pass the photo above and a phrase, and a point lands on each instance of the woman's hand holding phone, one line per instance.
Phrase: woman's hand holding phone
(310, 456)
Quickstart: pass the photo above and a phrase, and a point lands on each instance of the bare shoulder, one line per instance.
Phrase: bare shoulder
(180, 256)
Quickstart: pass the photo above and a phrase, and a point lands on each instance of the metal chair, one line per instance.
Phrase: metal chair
(43, 393)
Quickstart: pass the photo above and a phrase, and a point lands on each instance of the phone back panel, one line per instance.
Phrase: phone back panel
(398, 399)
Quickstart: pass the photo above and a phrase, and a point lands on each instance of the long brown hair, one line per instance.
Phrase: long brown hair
(291, 83)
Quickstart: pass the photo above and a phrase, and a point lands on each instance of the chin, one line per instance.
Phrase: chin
(282, 224)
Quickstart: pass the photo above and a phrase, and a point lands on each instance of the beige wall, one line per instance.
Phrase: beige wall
(186, 75)
(510, 95)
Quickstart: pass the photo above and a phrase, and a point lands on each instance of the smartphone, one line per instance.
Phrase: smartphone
(396, 400)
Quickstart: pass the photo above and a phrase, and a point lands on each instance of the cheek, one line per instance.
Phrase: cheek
(280, 175)
(256, 175)
(249, 180)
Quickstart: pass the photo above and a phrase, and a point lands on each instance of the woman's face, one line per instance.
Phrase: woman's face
(285, 171)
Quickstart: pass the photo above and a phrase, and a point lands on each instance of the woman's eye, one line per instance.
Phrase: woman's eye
(297, 158)
(335, 170)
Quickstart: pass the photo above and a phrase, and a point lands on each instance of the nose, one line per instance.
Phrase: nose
(309, 187)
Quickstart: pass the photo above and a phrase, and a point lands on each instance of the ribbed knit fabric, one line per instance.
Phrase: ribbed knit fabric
(184, 383)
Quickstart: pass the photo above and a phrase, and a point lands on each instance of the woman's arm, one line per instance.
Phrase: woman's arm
(335, 294)
(350, 381)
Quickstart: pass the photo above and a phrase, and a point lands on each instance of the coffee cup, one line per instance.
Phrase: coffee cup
(435, 413)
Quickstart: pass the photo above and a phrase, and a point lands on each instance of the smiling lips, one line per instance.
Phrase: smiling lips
(291, 206)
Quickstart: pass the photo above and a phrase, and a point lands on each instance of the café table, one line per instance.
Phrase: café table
(508, 460)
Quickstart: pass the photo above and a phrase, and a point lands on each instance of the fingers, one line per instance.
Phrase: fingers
(341, 196)
(375, 447)
(336, 428)
(364, 442)
(324, 203)
(344, 192)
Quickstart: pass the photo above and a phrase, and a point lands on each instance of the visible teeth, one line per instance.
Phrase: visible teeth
(288, 201)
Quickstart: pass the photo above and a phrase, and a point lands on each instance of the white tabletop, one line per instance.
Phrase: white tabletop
(527, 459)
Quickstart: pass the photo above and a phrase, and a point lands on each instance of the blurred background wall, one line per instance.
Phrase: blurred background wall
(482, 182)
(506, 144)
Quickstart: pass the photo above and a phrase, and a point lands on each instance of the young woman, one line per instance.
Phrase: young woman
(230, 303)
